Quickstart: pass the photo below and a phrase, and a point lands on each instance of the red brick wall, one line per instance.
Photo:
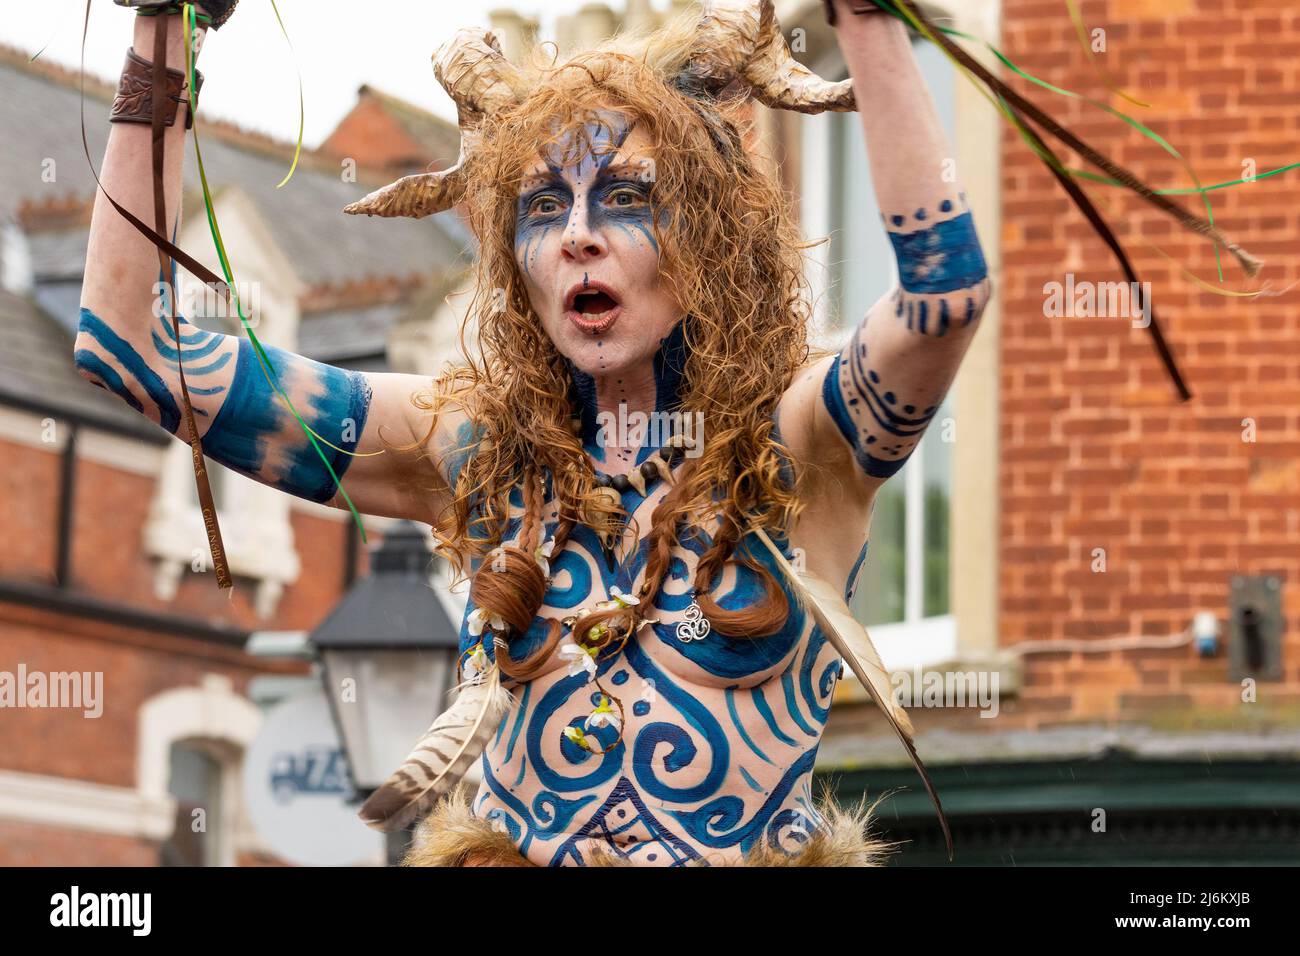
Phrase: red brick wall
(29, 503)
(136, 665)
(109, 561)
(23, 844)
(1096, 450)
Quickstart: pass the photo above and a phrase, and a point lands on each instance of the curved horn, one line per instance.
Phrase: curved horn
(725, 39)
(741, 39)
(415, 196)
(475, 74)
(782, 82)
(480, 80)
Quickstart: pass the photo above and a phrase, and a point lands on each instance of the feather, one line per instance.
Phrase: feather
(443, 754)
(847, 635)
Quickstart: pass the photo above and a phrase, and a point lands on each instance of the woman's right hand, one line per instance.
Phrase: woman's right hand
(219, 10)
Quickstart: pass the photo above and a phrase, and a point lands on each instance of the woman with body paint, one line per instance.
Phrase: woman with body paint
(667, 690)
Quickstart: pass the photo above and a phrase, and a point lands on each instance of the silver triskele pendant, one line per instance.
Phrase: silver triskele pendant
(696, 627)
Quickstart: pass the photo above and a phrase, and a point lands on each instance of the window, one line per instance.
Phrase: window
(196, 784)
(905, 577)
(904, 582)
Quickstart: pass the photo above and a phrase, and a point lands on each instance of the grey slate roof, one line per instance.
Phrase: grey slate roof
(40, 117)
(340, 334)
(36, 371)
(58, 259)
(58, 254)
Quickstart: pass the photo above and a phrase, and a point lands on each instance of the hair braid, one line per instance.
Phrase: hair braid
(511, 584)
(763, 617)
(660, 540)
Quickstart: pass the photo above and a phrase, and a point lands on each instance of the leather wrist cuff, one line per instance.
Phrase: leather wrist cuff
(134, 100)
(858, 8)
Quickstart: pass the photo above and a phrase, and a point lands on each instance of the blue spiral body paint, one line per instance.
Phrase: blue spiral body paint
(254, 433)
(944, 258)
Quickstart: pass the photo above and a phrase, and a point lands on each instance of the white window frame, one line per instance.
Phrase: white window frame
(225, 724)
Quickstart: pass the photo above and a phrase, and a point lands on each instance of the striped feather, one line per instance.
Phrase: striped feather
(847, 635)
(440, 759)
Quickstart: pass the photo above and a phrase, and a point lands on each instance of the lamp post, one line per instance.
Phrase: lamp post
(388, 654)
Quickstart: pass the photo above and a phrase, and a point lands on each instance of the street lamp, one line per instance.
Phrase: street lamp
(389, 654)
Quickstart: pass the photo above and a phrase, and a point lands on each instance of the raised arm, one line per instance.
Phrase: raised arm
(124, 346)
(859, 415)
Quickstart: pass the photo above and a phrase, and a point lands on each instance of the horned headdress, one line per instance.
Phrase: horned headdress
(736, 42)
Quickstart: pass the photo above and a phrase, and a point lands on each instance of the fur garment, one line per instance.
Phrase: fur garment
(452, 836)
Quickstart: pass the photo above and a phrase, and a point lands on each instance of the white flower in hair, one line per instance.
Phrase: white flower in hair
(624, 600)
(543, 556)
(480, 618)
(580, 657)
(475, 663)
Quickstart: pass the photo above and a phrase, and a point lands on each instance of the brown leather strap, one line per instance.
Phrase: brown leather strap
(134, 100)
(160, 97)
(188, 262)
(1103, 229)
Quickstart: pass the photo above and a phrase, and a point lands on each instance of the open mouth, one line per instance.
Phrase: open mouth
(593, 308)
(593, 303)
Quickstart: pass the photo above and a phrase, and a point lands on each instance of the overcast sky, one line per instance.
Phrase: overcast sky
(248, 68)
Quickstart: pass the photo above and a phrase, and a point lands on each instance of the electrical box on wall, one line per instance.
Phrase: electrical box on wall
(1255, 627)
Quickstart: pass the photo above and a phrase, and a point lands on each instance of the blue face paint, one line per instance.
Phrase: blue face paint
(254, 433)
(540, 212)
(580, 181)
(620, 201)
